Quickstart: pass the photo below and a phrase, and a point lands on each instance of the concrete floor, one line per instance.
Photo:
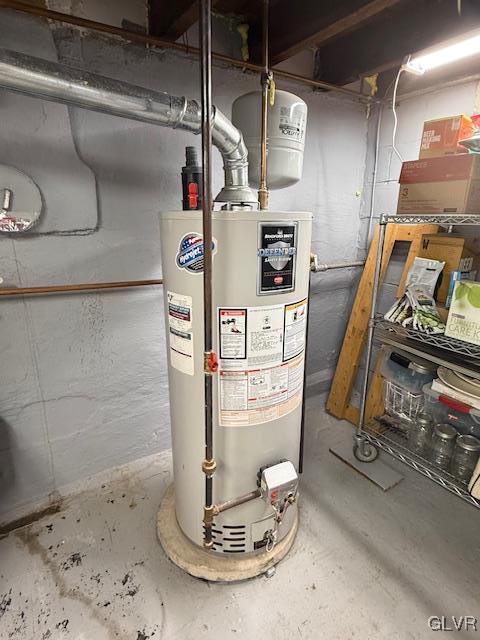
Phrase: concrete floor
(366, 564)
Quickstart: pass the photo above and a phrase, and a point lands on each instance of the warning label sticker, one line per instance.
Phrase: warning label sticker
(233, 333)
(261, 362)
(295, 329)
(265, 335)
(256, 396)
(180, 332)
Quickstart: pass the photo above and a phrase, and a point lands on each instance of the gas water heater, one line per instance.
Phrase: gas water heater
(261, 266)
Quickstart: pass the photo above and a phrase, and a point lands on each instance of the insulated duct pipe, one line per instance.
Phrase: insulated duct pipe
(60, 83)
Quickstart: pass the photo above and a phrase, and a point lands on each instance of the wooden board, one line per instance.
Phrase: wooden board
(338, 403)
(378, 471)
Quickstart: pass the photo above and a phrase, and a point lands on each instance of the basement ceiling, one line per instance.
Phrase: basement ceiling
(350, 38)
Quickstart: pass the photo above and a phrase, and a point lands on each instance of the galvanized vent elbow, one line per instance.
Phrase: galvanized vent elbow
(229, 140)
(59, 83)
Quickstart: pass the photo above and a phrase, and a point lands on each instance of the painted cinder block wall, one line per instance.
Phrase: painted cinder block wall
(412, 112)
(83, 382)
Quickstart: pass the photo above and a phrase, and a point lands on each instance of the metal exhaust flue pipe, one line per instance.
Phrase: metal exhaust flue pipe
(60, 83)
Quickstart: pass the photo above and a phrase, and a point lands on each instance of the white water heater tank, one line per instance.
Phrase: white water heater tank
(261, 268)
(287, 121)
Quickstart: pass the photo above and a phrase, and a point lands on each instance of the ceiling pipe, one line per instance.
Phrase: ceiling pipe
(60, 83)
(141, 38)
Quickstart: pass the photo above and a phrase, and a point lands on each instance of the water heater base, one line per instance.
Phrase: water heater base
(210, 565)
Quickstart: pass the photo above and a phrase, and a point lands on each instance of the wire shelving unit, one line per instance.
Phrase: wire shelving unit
(383, 433)
(441, 341)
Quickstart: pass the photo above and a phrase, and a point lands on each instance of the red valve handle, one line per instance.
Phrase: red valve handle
(212, 362)
(192, 195)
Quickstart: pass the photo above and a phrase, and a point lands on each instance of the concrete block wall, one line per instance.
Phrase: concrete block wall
(84, 379)
(412, 112)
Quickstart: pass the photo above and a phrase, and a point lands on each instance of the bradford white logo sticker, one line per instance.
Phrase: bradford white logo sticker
(276, 253)
(191, 251)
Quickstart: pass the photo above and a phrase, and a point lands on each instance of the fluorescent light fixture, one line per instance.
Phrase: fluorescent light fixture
(451, 51)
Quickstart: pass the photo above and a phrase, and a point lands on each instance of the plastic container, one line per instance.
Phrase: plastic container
(400, 403)
(442, 445)
(465, 457)
(446, 410)
(412, 374)
(420, 434)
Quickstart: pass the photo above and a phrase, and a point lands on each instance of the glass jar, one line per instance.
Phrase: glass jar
(465, 457)
(420, 434)
(442, 445)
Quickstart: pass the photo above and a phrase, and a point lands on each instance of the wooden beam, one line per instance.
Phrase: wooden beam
(172, 18)
(169, 19)
(405, 28)
(321, 35)
(353, 342)
(338, 403)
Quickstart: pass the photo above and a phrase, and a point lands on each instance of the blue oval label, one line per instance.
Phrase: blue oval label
(191, 251)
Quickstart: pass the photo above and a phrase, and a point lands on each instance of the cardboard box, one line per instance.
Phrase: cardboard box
(464, 317)
(441, 137)
(449, 184)
(451, 249)
(455, 276)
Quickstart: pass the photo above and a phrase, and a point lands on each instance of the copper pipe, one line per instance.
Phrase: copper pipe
(235, 502)
(265, 82)
(71, 288)
(205, 11)
(153, 41)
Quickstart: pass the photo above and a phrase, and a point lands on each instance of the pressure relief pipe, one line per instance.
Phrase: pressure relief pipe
(209, 463)
(60, 83)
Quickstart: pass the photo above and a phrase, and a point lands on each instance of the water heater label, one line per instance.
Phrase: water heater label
(265, 336)
(295, 329)
(233, 333)
(190, 252)
(180, 332)
(261, 362)
(277, 250)
(260, 395)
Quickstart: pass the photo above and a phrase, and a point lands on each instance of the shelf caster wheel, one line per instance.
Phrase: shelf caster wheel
(364, 451)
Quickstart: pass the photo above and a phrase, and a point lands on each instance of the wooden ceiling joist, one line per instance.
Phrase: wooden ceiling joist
(311, 26)
(403, 29)
(171, 19)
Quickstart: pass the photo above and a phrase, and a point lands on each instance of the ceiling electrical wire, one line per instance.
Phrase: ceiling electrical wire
(394, 111)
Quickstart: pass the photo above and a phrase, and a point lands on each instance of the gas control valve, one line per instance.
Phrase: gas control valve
(279, 483)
